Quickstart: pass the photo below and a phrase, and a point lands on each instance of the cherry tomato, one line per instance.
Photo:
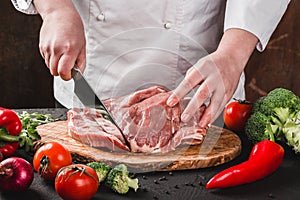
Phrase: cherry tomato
(76, 181)
(236, 113)
(49, 158)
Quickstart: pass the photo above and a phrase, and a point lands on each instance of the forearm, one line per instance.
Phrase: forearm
(237, 45)
(45, 8)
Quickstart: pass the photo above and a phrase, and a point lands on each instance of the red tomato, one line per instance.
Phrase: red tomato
(49, 158)
(76, 181)
(236, 114)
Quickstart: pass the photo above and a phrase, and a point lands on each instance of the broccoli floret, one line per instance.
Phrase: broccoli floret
(255, 128)
(257, 103)
(275, 117)
(278, 98)
(119, 181)
(101, 169)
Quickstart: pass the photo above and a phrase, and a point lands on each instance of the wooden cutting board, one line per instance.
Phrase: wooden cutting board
(219, 146)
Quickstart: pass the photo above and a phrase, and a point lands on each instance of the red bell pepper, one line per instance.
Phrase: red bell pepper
(13, 125)
(265, 157)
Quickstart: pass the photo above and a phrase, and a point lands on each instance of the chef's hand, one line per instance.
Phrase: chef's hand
(62, 39)
(217, 76)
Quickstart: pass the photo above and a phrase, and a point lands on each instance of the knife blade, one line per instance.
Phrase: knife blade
(88, 98)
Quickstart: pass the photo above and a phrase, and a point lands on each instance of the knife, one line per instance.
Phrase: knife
(87, 96)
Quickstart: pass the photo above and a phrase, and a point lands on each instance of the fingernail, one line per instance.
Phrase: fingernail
(185, 117)
(171, 101)
(208, 126)
(205, 126)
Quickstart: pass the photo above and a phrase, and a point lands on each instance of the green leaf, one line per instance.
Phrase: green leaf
(29, 133)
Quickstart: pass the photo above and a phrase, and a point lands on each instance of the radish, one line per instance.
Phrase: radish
(16, 174)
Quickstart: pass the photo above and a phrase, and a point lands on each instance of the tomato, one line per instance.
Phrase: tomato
(236, 113)
(49, 158)
(76, 181)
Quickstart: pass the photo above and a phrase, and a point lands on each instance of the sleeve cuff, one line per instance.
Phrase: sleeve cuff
(24, 6)
(255, 16)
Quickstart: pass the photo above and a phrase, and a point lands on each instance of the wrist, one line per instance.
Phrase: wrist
(237, 45)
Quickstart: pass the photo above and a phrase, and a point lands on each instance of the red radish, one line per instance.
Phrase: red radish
(16, 174)
(1, 156)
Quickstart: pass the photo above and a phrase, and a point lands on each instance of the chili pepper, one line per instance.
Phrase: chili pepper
(265, 157)
(13, 125)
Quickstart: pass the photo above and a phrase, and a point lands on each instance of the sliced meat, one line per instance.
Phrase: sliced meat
(148, 124)
(88, 126)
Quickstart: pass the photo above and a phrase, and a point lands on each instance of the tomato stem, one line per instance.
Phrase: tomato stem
(242, 101)
(44, 163)
(77, 169)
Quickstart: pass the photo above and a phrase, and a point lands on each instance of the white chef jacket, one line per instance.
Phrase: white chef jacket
(134, 44)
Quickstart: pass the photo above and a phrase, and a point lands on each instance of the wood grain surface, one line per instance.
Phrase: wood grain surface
(219, 146)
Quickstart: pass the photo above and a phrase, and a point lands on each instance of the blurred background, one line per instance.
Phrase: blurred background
(25, 81)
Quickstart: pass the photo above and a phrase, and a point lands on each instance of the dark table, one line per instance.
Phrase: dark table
(187, 184)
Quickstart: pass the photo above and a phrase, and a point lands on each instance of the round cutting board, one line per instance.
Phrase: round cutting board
(220, 146)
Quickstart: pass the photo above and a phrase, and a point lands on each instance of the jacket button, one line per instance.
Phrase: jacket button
(101, 17)
(168, 25)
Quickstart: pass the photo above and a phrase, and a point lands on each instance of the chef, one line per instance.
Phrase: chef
(195, 48)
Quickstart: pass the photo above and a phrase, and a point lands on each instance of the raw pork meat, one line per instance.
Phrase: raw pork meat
(88, 126)
(148, 124)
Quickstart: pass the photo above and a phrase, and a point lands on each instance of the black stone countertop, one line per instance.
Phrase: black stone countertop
(284, 183)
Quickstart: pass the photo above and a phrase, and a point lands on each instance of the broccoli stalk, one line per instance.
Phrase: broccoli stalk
(291, 130)
(119, 181)
(275, 117)
(101, 169)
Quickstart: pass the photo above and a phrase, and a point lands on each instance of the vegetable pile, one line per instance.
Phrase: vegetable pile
(79, 181)
(270, 119)
(275, 117)
(19, 130)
